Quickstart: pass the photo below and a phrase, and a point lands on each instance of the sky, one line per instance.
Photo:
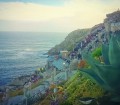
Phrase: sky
(53, 15)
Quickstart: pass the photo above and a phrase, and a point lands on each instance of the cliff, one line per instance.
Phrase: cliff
(112, 21)
(110, 24)
(70, 41)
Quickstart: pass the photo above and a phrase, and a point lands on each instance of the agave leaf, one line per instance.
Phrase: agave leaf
(105, 50)
(114, 52)
(90, 73)
(93, 63)
(110, 75)
(90, 60)
(115, 99)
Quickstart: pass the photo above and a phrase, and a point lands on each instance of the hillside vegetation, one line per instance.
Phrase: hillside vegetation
(70, 41)
(81, 86)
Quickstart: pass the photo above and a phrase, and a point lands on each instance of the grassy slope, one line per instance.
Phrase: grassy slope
(70, 40)
(77, 86)
(81, 86)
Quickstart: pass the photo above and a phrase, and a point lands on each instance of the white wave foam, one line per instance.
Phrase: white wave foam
(28, 49)
(25, 53)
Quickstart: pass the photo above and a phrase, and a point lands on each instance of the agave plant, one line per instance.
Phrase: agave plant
(106, 75)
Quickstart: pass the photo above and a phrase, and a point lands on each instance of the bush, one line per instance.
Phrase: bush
(97, 53)
(82, 64)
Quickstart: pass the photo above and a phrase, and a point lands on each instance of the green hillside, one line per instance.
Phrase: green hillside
(81, 86)
(70, 41)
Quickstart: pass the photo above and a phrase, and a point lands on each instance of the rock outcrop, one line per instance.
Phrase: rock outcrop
(112, 22)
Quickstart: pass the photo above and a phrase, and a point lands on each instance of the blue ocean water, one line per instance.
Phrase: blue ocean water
(22, 53)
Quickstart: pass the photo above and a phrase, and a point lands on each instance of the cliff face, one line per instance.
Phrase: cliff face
(110, 24)
(74, 38)
(112, 21)
(70, 41)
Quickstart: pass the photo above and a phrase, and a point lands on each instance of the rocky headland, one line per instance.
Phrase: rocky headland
(110, 24)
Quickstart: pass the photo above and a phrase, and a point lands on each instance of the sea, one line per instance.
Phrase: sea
(21, 53)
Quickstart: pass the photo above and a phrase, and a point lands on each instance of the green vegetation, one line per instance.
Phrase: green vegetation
(114, 52)
(97, 53)
(105, 50)
(16, 92)
(70, 41)
(107, 76)
(72, 90)
(81, 86)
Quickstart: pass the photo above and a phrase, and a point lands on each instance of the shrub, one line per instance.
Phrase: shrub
(82, 64)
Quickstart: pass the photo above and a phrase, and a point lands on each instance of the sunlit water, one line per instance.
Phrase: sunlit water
(22, 53)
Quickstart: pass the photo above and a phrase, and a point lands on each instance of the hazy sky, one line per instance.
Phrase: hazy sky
(53, 15)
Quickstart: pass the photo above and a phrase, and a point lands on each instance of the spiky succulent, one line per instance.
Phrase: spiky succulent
(107, 74)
